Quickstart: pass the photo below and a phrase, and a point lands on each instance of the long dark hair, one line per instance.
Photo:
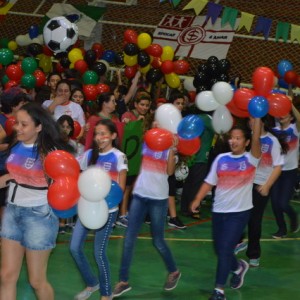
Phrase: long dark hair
(48, 138)
(110, 125)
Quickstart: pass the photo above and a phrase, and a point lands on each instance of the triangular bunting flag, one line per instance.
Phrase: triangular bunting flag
(213, 11)
(197, 5)
(246, 21)
(229, 16)
(295, 33)
(282, 31)
(263, 25)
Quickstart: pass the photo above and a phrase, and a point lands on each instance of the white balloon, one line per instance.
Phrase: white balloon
(188, 84)
(94, 184)
(92, 215)
(222, 92)
(205, 101)
(168, 116)
(222, 120)
(23, 40)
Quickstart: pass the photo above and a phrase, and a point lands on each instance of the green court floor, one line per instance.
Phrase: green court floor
(276, 278)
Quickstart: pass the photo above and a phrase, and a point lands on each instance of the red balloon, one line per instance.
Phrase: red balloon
(102, 88)
(14, 72)
(9, 125)
(297, 81)
(98, 48)
(77, 130)
(61, 163)
(234, 110)
(263, 81)
(192, 96)
(10, 84)
(181, 66)
(63, 193)
(158, 139)
(290, 77)
(47, 51)
(155, 50)
(90, 92)
(242, 97)
(188, 147)
(59, 68)
(130, 36)
(81, 66)
(130, 71)
(279, 105)
(167, 66)
(156, 63)
(40, 77)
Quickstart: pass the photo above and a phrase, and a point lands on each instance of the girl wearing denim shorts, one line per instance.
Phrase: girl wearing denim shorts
(29, 226)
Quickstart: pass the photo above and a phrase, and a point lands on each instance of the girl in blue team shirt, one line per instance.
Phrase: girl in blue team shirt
(232, 173)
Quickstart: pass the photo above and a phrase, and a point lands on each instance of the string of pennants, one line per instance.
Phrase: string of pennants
(229, 15)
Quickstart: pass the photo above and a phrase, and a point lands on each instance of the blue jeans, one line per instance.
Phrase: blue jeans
(100, 245)
(227, 231)
(157, 209)
(281, 194)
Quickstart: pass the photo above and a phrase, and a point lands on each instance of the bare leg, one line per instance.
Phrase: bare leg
(125, 201)
(172, 207)
(37, 262)
(12, 254)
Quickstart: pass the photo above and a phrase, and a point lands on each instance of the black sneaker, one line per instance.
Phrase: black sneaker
(217, 295)
(237, 280)
(176, 222)
(278, 235)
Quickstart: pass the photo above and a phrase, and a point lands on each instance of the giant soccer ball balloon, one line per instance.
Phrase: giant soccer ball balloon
(181, 172)
(59, 34)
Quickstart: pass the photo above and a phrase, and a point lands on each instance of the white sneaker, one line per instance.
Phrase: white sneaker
(86, 293)
(254, 262)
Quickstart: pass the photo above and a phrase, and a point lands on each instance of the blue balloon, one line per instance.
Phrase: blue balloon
(275, 91)
(68, 213)
(109, 56)
(190, 127)
(282, 83)
(284, 66)
(258, 106)
(33, 31)
(115, 195)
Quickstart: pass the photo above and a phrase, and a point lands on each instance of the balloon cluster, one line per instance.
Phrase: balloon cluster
(63, 193)
(153, 60)
(98, 194)
(262, 99)
(188, 129)
(286, 75)
(210, 72)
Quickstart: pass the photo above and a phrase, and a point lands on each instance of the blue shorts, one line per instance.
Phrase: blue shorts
(35, 227)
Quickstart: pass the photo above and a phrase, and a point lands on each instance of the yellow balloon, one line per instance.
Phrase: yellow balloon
(172, 80)
(45, 63)
(144, 70)
(168, 53)
(130, 61)
(12, 45)
(74, 55)
(144, 40)
(72, 65)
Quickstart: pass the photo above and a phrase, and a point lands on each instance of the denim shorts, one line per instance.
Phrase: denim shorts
(34, 227)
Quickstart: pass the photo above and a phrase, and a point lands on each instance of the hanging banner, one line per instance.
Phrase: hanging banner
(194, 36)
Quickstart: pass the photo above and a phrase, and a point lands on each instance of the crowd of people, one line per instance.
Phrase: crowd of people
(255, 161)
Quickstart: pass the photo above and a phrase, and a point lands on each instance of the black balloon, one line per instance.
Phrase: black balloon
(99, 67)
(64, 61)
(119, 58)
(200, 79)
(34, 49)
(224, 65)
(154, 75)
(60, 55)
(211, 82)
(201, 88)
(90, 56)
(213, 70)
(223, 77)
(202, 68)
(131, 49)
(212, 60)
(143, 59)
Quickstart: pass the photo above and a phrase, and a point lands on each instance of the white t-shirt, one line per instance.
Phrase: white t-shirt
(233, 176)
(72, 109)
(270, 158)
(152, 181)
(292, 139)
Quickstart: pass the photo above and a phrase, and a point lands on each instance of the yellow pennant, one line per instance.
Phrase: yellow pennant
(197, 5)
(246, 21)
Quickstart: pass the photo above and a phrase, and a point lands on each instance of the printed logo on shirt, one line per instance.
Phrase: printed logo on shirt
(107, 166)
(243, 166)
(29, 163)
(158, 155)
(10, 158)
(265, 148)
(224, 167)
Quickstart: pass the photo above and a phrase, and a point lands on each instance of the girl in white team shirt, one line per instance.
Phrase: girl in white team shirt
(232, 173)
